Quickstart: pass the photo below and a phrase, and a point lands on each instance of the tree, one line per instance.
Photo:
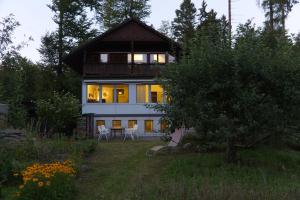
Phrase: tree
(113, 12)
(238, 96)
(184, 22)
(73, 27)
(166, 29)
(277, 12)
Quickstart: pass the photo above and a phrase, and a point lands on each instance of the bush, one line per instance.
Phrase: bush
(54, 181)
(59, 113)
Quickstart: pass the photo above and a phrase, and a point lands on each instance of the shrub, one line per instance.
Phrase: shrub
(59, 113)
(52, 181)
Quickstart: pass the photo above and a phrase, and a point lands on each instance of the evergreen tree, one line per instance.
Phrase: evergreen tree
(277, 12)
(184, 23)
(113, 12)
(73, 27)
(166, 29)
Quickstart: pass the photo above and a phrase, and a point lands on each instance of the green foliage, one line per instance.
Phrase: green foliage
(184, 23)
(238, 95)
(59, 112)
(113, 12)
(61, 187)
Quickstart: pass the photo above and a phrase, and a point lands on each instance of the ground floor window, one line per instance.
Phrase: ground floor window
(107, 93)
(164, 126)
(100, 122)
(116, 124)
(148, 126)
(131, 123)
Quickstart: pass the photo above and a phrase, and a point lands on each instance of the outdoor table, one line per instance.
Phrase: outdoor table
(120, 130)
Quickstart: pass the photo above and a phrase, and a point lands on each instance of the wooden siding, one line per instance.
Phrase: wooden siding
(121, 70)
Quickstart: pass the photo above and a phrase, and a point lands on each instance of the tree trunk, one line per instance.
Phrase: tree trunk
(271, 7)
(282, 15)
(60, 43)
(231, 151)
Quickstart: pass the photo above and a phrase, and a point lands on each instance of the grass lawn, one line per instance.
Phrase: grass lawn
(118, 170)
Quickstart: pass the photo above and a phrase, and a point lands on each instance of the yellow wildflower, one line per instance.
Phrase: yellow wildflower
(41, 184)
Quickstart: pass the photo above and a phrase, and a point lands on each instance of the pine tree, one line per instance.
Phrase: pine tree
(184, 22)
(73, 27)
(113, 12)
(277, 12)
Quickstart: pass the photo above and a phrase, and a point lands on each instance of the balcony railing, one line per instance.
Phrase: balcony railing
(121, 70)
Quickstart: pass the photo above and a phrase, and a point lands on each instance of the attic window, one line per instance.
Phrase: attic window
(103, 58)
(138, 58)
(158, 58)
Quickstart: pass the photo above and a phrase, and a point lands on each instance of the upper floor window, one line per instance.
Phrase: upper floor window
(138, 58)
(149, 94)
(158, 58)
(103, 58)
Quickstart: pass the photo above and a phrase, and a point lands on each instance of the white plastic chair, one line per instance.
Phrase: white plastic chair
(102, 131)
(135, 131)
(131, 132)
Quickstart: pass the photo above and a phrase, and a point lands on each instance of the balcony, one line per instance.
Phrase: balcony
(121, 70)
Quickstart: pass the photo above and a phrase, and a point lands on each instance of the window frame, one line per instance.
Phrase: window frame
(100, 85)
(87, 93)
(131, 120)
(117, 120)
(148, 120)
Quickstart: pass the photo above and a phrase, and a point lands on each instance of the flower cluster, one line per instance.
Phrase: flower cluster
(36, 171)
(41, 174)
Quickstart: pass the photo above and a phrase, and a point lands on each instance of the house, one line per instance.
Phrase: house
(119, 70)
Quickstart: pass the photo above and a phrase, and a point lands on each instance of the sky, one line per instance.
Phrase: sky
(36, 18)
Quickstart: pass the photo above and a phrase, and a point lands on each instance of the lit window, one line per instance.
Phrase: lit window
(158, 58)
(131, 123)
(122, 93)
(100, 122)
(148, 126)
(129, 58)
(164, 126)
(138, 58)
(157, 94)
(142, 93)
(116, 124)
(104, 58)
(107, 94)
(161, 58)
(93, 94)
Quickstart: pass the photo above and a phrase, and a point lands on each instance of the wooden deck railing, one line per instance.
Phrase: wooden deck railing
(121, 70)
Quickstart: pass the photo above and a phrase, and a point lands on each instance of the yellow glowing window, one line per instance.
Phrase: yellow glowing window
(100, 122)
(93, 93)
(142, 93)
(122, 93)
(164, 126)
(107, 94)
(131, 123)
(157, 94)
(116, 124)
(148, 126)
(138, 58)
(158, 58)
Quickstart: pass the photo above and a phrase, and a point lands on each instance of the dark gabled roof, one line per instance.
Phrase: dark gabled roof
(80, 49)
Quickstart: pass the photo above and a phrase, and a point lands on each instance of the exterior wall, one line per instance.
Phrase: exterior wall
(140, 123)
(122, 111)
(131, 108)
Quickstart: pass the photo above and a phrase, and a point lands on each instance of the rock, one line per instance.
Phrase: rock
(187, 146)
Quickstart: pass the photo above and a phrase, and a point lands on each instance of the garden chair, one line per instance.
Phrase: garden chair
(102, 131)
(131, 132)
